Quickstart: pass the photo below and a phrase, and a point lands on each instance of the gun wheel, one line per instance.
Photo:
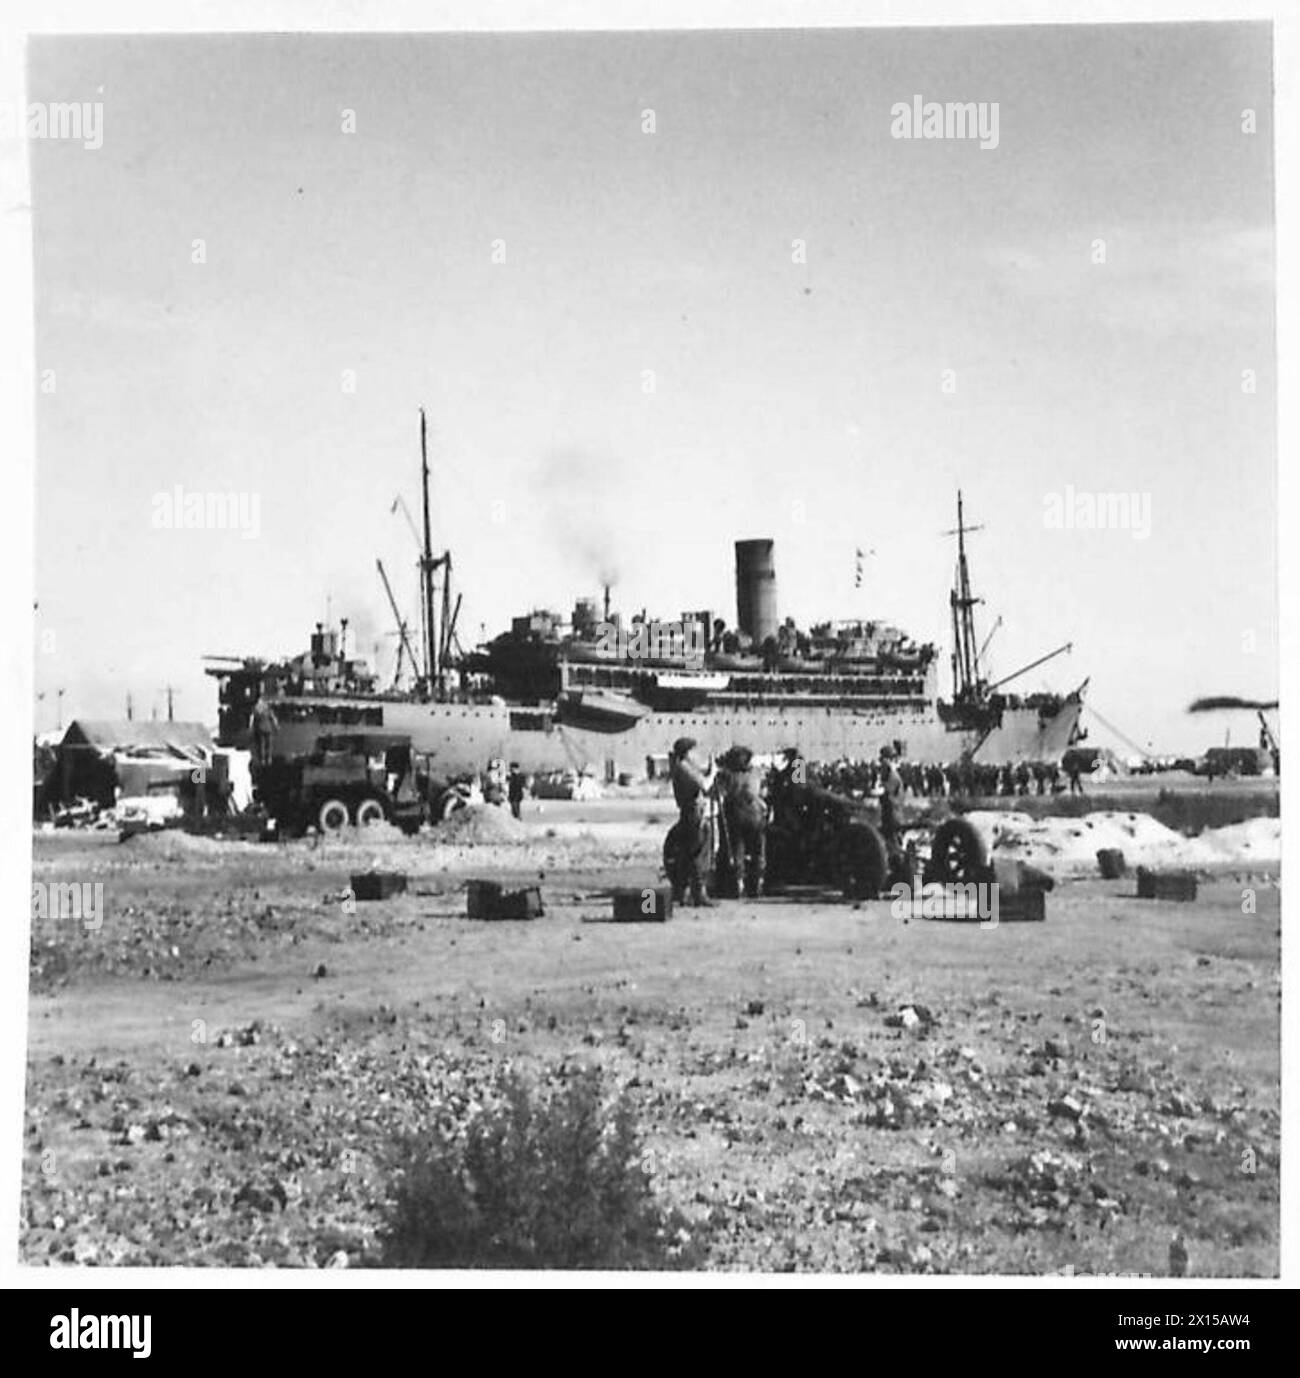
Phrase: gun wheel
(866, 863)
(958, 855)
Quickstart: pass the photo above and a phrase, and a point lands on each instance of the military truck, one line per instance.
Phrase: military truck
(360, 779)
(1225, 761)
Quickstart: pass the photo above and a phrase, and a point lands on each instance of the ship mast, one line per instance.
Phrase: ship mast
(437, 640)
(965, 653)
(427, 565)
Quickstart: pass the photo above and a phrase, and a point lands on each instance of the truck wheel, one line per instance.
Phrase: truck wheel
(332, 816)
(450, 803)
(958, 855)
(866, 862)
(371, 811)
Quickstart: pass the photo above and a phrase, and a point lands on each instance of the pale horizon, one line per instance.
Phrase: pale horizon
(502, 242)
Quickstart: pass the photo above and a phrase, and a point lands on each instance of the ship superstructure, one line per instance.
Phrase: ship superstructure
(594, 692)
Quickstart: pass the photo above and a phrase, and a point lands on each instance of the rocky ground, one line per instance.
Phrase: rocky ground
(218, 1074)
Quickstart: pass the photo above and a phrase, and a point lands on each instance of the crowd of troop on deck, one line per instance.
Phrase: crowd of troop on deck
(964, 779)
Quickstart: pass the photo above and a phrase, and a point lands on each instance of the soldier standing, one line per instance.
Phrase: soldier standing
(794, 768)
(494, 784)
(891, 793)
(516, 788)
(786, 793)
(745, 811)
(690, 788)
(264, 726)
(965, 776)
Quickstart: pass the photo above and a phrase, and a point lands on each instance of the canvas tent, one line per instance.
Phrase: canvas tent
(98, 758)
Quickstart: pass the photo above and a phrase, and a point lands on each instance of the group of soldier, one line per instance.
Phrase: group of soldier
(739, 789)
(500, 785)
(965, 779)
(746, 796)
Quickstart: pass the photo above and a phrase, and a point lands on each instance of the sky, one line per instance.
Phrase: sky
(639, 338)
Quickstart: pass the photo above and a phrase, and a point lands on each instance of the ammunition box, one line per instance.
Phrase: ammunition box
(488, 900)
(643, 904)
(1166, 885)
(378, 885)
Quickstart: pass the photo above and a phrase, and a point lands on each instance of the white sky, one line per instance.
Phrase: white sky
(798, 401)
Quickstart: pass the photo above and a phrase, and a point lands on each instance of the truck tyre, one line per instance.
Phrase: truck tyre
(450, 803)
(371, 810)
(865, 861)
(957, 855)
(332, 816)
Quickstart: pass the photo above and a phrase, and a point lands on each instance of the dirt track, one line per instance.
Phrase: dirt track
(1064, 1095)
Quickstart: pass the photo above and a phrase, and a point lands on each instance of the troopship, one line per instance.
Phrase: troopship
(594, 694)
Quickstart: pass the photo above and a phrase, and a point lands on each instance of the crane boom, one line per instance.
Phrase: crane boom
(397, 616)
(988, 639)
(1033, 664)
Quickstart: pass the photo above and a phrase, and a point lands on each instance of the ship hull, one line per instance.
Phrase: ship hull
(462, 738)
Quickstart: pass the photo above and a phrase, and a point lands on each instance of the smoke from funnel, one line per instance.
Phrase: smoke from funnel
(364, 630)
(577, 496)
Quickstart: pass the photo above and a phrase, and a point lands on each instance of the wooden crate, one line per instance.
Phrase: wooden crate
(485, 899)
(632, 903)
(1025, 906)
(1111, 863)
(520, 904)
(1166, 885)
(378, 885)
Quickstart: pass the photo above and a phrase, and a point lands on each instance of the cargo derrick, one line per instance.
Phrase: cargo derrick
(976, 704)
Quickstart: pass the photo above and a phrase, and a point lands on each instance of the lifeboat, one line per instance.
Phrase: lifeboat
(600, 710)
(588, 653)
(901, 658)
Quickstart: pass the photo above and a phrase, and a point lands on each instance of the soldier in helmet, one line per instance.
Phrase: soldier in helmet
(787, 794)
(891, 794)
(793, 766)
(516, 788)
(264, 727)
(494, 782)
(691, 786)
(745, 812)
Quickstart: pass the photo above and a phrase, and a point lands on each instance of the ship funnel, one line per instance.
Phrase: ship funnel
(756, 590)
